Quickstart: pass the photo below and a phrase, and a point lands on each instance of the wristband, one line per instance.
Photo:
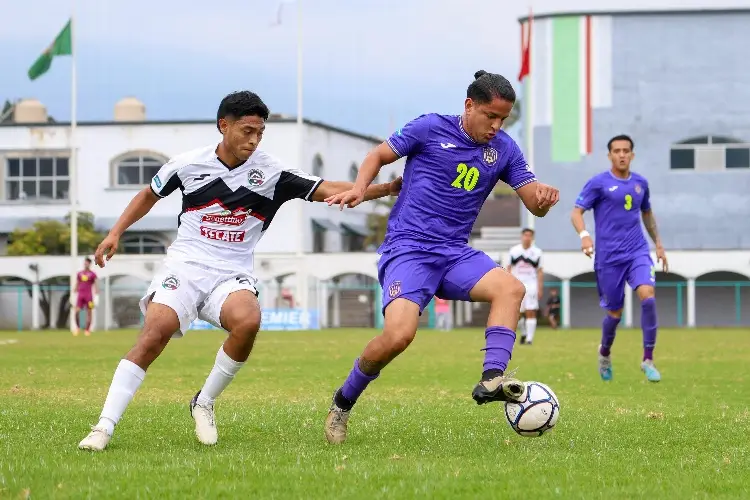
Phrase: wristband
(583, 234)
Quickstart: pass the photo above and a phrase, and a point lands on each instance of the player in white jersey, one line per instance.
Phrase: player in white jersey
(230, 192)
(525, 263)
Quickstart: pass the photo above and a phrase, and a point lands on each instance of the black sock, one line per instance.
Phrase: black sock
(491, 373)
(342, 402)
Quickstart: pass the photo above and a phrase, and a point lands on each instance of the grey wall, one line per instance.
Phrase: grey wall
(675, 77)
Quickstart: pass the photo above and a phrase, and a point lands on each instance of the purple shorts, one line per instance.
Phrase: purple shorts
(418, 274)
(85, 302)
(610, 280)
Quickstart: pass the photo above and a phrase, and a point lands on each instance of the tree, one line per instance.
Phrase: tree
(377, 222)
(52, 237)
(515, 115)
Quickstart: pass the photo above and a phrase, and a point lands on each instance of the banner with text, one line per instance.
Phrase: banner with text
(276, 319)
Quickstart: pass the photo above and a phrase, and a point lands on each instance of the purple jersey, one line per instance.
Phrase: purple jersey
(617, 205)
(86, 280)
(448, 177)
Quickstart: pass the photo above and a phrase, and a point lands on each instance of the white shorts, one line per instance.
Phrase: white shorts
(531, 300)
(195, 291)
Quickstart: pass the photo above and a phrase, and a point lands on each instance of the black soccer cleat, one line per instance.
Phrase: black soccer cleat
(500, 388)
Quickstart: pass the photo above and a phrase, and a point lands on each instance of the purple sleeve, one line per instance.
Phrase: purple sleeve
(410, 139)
(646, 202)
(517, 172)
(589, 195)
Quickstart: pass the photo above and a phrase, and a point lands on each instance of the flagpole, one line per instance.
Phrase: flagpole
(528, 105)
(73, 165)
(302, 272)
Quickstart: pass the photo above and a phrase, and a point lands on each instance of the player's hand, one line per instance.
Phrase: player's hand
(587, 246)
(106, 248)
(394, 187)
(661, 256)
(546, 196)
(350, 198)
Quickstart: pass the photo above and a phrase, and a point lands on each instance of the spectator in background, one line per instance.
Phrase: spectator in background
(444, 319)
(85, 296)
(553, 309)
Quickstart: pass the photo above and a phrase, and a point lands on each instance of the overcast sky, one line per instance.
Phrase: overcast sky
(367, 64)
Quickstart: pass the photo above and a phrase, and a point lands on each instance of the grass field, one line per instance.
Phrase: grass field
(416, 433)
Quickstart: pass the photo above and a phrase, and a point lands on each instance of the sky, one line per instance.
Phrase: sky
(368, 65)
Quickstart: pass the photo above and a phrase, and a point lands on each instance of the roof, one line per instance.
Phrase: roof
(271, 119)
(641, 12)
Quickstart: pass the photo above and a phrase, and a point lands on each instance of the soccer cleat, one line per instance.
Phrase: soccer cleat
(75, 331)
(523, 339)
(97, 440)
(652, 374)
(87, 333)
(336, 423)
(605, 367)
(205, 422)
(500, 388)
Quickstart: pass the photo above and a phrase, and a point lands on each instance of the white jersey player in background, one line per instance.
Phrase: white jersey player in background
(231, 192)
(525, 263)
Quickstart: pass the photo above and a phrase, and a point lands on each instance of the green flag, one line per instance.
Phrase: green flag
(62, 46)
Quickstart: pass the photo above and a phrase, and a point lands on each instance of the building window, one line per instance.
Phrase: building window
(137, 169)
(317, 167)
(36, 179)
(353, 237)
(319, 240)
(353, 171)
(139, 245)
(711, 153)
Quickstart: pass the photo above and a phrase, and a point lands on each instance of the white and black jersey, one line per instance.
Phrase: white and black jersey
(225, 211)
(525, 262)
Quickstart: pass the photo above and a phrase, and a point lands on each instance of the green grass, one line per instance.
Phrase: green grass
(416, 433)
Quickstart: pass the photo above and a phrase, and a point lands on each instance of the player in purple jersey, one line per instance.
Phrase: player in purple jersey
(85, 295)
(453, 163)
(620, 199)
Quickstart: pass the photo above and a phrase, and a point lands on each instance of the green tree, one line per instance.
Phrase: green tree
(52, 237)
(515, 115)
(377, 222)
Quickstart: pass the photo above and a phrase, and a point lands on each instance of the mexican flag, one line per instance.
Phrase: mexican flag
(567, 75)
(62, 46)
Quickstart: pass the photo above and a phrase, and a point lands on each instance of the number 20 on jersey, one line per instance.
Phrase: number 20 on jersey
(467, 177)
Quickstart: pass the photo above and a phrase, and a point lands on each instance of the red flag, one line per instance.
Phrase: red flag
(526, 48)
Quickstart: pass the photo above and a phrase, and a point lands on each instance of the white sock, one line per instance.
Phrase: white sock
(522, 325)
(530, 329)
(222, 373)
(128, 378)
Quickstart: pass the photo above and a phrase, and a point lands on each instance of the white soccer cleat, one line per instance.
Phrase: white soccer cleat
(205, 422)
(97, 440)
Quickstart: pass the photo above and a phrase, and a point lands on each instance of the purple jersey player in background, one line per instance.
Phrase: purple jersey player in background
(85, 291)
(619, 199)
(453, 164)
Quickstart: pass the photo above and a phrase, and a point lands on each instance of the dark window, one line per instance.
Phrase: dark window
(682, 159)
(738, 158)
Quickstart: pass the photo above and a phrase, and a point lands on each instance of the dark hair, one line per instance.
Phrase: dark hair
(239, 104)
(87, 259)
(621, 137)
(527, 230)
(487, 86)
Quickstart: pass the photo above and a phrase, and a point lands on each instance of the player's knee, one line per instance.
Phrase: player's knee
(246, 328)
(615, 314)
(513, 290)
(399, 338)
(645, 292)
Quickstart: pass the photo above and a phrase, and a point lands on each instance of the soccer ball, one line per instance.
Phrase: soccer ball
(536, 414)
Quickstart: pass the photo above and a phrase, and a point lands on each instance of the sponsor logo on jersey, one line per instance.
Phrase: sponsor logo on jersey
(638, 188)
(394, 289)
(489, 155)
(170, 283)
(157, 181)
(256, 177)
(226, 217)
(223, 235)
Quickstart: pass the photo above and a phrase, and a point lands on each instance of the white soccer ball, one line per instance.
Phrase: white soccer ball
(536, 414)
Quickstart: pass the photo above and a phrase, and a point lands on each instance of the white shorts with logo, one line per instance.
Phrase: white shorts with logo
(531, 300)
(194, 291)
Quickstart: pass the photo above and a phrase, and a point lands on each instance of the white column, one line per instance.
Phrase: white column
(336, 306)
(565, 299)
(458, 307)
(468, 313)
(323, 304)
(627, 314)
(691, 303)
(35, 308)
(107, 303)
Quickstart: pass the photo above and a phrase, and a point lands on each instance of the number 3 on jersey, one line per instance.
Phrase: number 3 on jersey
(467, 177)
(628, 202)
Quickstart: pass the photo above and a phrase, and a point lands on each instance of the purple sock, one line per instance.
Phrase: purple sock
(356, 383)
(609, 329)
(649, 326)
(499, 342)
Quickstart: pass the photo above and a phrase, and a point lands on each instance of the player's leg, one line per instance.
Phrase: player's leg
(233, 306)
(89, 317)
(642, 277)
(77, 327)
(530, 305)
(165, 316)
(409, 281)
(610, 283)
(474, 276)
(552, 317)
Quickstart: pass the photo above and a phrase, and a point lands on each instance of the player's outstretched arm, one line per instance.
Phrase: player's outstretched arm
(650, 222)
(329, 189)
(139, 206)
(538, 198)
(373, 162)
(587, 244)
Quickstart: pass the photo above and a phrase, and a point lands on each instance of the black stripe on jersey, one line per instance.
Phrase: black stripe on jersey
(217, 192)
(172, 184)
(291, 186)
(516, 260)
